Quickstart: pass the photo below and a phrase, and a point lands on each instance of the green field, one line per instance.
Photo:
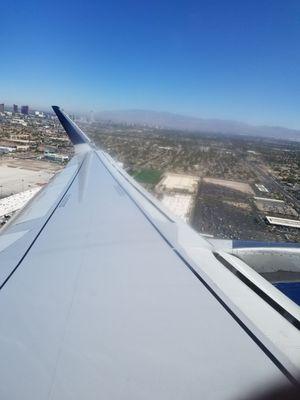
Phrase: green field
(151, 176)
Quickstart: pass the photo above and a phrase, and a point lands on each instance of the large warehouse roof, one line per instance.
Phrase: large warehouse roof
(284, 222)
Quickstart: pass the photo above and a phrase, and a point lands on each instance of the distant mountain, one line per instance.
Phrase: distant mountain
(182, 122)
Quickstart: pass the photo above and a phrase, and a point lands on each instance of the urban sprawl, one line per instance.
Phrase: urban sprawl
(236, 187)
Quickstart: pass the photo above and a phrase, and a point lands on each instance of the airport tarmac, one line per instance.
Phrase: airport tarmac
(17, 175)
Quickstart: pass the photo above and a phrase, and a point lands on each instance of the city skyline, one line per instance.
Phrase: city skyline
(229, 61)
(167, 120)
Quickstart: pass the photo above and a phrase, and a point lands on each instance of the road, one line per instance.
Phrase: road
(272, 184)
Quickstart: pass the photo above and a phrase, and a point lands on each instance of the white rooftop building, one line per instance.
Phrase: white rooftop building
(291, 223)
(179, 204)
(178, 193)
(179, 182)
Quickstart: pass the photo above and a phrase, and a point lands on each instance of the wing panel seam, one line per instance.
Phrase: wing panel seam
(40, 231)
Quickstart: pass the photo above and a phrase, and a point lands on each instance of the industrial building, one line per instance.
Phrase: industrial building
(178, 192)
(39, 114)
(178, 183)
(274, 206)
(56, 157)
(179, 204)
(5, 149)
(290, 223)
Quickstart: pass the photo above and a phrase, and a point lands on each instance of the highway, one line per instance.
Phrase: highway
(272, 184)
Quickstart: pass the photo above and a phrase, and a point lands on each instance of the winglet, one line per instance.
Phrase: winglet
(73, 131)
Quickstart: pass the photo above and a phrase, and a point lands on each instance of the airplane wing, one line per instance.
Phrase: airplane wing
(106, 295)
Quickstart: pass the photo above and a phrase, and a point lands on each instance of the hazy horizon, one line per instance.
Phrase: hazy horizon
(164, 112)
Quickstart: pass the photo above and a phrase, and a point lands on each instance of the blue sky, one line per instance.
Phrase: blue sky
(220, 59)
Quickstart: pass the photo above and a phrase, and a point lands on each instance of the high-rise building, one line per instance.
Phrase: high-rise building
(2, 108)
(15, 108)
(25, 110)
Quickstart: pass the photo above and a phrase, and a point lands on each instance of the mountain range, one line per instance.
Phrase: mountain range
(182, 122)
